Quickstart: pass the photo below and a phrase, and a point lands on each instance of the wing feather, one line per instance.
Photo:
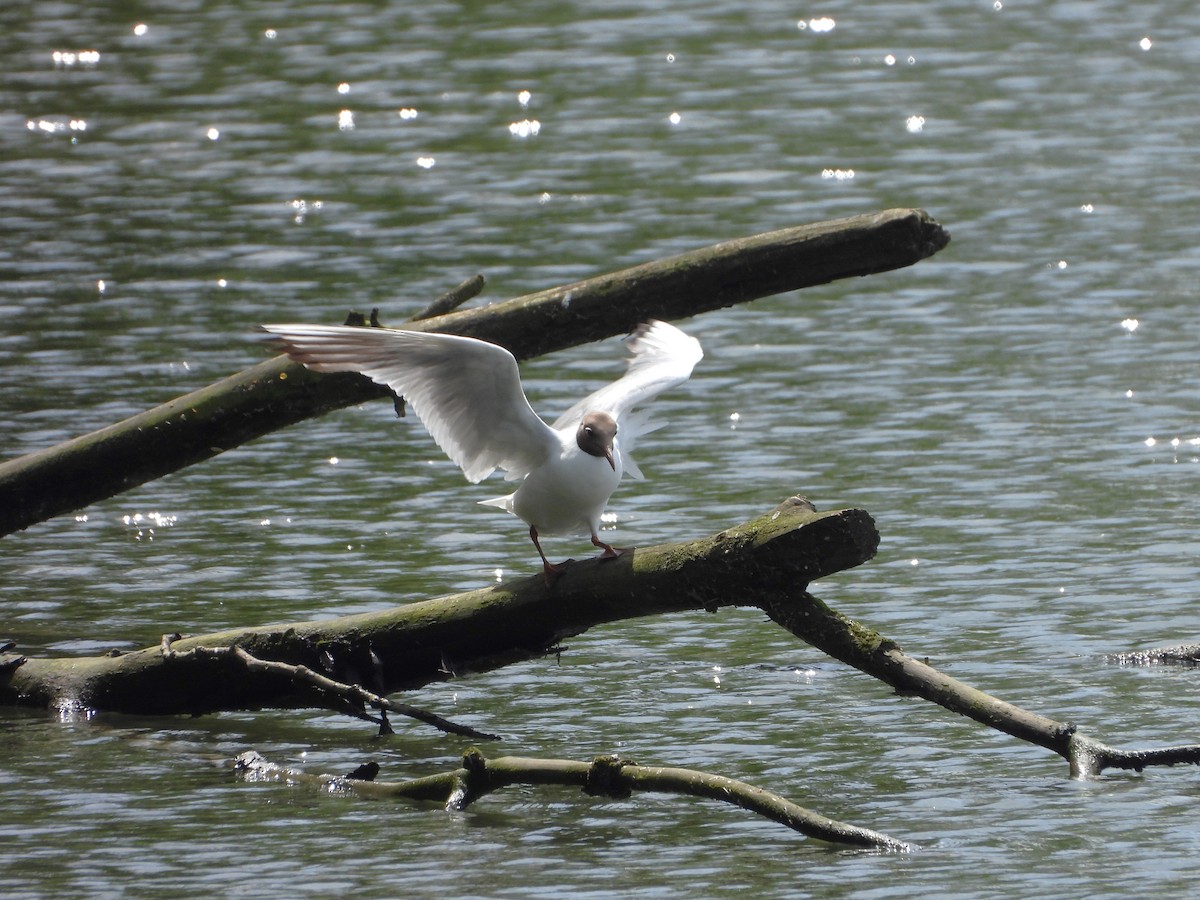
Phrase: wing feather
(466, 392)
(663, 357)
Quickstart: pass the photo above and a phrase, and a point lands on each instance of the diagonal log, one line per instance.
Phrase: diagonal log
(277, 393)
(868, 651)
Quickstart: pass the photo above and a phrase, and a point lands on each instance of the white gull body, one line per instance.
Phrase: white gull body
(468, 394)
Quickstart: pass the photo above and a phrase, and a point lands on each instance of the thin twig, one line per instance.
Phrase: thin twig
(352, 699)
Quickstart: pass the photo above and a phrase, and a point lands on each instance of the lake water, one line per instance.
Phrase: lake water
(1019, 413)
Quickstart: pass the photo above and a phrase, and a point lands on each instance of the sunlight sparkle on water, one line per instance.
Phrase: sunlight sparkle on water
(408, 113)
(523, 97)
(837, 174)
(213, 134)
(145, 524)
(819, 25)
(302, 207)
(1130, 325)
(140, 28)
(344, 87)
(915, 124)
(1145, 43)
(67, 58)
(426, 162)
(346, 120)
(674, 118)
(71, 711)
(56, 126)
(525, 128)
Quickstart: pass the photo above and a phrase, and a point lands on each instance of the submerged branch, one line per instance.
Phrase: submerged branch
(604, 776)
(1187, 655)
(277, 393)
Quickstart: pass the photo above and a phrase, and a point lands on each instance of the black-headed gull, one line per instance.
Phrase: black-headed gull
(468, 394)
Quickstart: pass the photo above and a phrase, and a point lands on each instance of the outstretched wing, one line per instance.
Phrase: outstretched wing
(663, 356)
(466, 392)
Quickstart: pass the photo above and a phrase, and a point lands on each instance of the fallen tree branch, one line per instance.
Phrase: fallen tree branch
(277, 393)
(872, 653)
(484, 629)
(605, 776)
(767, 563)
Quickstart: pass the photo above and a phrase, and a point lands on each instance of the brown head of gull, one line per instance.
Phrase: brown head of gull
(596, 435)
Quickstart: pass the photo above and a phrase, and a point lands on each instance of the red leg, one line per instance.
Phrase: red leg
(549, 570)
(610, 552)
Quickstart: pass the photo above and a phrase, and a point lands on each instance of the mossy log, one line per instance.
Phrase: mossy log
(766, 563)
(434, 640)
(277, 393)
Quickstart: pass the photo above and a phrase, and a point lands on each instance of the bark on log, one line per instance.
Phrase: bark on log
(434, 640)
(277, 393)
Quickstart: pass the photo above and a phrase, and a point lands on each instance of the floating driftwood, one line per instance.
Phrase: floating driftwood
(277, 393)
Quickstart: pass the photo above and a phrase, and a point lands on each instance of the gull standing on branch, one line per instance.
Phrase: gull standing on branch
(468, 394)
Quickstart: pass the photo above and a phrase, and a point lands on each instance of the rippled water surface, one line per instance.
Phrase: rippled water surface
(1018, 413)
